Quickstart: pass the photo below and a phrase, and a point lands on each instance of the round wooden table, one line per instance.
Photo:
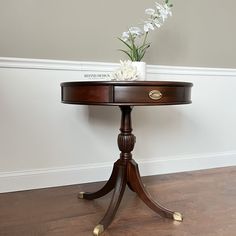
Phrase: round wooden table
(125, 170)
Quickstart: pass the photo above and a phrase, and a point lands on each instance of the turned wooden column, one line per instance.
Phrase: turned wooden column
(126, 139)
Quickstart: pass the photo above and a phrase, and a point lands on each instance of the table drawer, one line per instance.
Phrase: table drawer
(86, 94)
(150, 94)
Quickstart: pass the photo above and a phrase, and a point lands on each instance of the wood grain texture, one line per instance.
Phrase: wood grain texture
(134, 93)
(207, 199)
(87, 94)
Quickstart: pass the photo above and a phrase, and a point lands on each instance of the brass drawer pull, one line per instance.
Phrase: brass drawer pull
(155, 94)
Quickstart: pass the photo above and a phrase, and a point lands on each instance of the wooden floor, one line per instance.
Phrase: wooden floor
(206, 198)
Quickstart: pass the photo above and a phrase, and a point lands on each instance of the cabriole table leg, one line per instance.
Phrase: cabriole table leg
(134, 179)
(115, 201)
(108, 187)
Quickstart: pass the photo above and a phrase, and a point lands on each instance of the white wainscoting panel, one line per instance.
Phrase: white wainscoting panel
(44, 143)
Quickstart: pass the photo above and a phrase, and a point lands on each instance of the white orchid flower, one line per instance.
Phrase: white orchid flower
(135, 46)
(125, 36)
(150, 11)
(148, 26)
(157, 23)
(168, 9)
(163, 15)
(164, 11)
(135, 31)
(158, 6)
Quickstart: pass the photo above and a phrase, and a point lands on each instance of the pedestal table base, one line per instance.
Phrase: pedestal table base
(125, 172)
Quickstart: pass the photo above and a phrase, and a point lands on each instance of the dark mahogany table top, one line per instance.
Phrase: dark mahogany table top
(133, 93)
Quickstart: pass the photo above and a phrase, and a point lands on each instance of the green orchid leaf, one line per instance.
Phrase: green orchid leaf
(125, 43)
(125, 53)
(147, 45)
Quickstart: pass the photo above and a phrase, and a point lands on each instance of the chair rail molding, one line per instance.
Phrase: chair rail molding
(45, 64)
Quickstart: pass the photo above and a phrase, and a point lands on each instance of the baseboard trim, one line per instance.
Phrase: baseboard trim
(26, 63)
(61, 176)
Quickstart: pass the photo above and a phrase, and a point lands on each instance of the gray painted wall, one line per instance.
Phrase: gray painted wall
(200, 33)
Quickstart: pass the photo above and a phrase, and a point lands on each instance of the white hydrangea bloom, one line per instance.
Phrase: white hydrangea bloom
(126, 72)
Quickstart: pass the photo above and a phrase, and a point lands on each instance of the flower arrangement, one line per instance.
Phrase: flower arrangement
(135, 39)
(126, 71)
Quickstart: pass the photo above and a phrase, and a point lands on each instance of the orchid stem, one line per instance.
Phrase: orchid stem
(145, 38)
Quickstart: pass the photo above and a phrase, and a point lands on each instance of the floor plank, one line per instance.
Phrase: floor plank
(206, 198)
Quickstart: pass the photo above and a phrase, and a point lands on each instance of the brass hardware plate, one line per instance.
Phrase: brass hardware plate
(155, 94)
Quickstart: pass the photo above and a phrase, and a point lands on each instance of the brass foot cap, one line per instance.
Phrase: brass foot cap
(177, 216)
(81, 195)
(98, 230)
